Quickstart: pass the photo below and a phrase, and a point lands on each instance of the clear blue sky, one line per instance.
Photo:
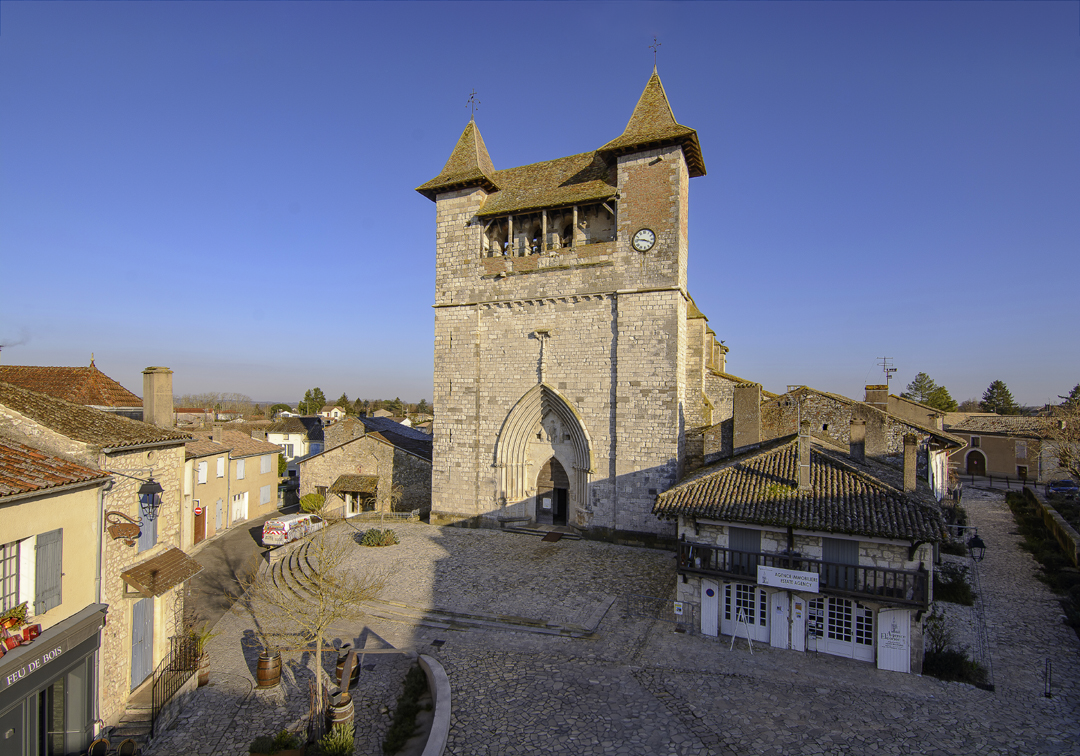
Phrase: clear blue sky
(227, 188)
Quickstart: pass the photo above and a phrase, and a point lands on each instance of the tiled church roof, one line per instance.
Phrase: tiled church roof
(653, 125)
(82, 385)
(469, 165)
(572, 180)
(761, 488)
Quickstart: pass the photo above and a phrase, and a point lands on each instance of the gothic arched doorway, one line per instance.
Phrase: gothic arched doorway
(552, 494)
(976, 463)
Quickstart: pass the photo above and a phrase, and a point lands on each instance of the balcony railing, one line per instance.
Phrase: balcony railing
(908, 587)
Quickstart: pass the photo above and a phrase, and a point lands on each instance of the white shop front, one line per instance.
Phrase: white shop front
(785, 609)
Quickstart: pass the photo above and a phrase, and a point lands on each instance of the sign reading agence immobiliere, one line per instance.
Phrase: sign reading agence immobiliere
(791, 580)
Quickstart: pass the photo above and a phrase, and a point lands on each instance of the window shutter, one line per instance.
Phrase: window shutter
(148, 533)
(221, 467)
(240, 469)
(48, 570)
(202, 472)
(266, 494)
(265, 463)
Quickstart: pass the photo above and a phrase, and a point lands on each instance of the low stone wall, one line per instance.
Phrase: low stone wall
(439, 687)
(1064, 533)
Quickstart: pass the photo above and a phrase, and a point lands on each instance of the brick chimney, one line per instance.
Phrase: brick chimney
(911, 461)
(804, 456)
(857, 434)
(746, 415)
(878, 397)
(158, 397)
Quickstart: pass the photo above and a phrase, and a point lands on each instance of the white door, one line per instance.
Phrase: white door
(710, 606)
(840, 627)
(894, 645)
(745, 612)
(798, 622)
(779, 603)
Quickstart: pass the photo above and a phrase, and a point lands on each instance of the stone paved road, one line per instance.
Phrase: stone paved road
(639, 688)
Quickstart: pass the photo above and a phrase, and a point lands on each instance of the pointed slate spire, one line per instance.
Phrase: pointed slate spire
(653, 125)
(469, 165)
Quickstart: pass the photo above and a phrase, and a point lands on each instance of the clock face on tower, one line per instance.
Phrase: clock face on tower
(644, 240)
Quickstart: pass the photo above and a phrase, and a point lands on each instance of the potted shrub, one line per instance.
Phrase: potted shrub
(14, 618)
(284, 743)
(201, 636)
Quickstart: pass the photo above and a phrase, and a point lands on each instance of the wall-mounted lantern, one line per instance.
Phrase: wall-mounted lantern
(150, 498)
(977, 548)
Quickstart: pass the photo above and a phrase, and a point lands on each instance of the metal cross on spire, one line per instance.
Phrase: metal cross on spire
(473, 103)
(654, 47)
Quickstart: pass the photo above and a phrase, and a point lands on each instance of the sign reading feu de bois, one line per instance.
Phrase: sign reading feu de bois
(790, 580)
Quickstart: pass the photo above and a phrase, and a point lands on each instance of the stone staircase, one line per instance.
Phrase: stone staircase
(136, 719)
(294, 574)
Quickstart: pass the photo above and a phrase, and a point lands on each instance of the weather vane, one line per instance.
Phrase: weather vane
(473, 103)
(654, 47)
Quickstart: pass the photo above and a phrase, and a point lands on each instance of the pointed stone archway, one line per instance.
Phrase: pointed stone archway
(543, 426)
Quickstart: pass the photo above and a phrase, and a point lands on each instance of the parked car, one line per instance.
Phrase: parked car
(282, 530)
(1066, 488)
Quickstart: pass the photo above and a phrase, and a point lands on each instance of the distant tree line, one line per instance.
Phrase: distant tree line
(997, 398)
(222, 402)
(314, 400)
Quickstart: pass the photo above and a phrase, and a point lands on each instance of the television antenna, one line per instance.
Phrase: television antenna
(887, 367)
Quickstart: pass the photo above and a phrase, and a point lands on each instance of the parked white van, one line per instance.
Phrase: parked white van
(282, 530)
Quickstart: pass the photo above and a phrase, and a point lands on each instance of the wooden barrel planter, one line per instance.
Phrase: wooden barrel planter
(353, 678)
(268, 671)
(341, 710)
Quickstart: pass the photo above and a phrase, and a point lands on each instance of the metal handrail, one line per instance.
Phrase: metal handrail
(179, 664)
(883, 584)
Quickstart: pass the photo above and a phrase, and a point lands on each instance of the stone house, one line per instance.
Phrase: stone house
(50, 540)
(141, 578)
(229, 477)
(1007, 446)
(803, 545)
(366, 457)
(840, 421)
(88, 386)
(570, 359)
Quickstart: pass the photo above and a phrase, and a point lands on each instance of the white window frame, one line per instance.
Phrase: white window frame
(9, 575)
(240, 469)
(221, 467)
(202, 472)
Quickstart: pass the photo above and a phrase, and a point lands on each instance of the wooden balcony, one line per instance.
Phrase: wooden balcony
(904, 587)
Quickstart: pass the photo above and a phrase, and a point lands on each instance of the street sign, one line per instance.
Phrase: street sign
(791, 580)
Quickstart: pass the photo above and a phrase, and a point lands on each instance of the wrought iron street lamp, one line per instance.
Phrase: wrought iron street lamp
(976, 548)
(150, 498)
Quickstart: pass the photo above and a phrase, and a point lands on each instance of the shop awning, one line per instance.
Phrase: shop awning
(156, 576)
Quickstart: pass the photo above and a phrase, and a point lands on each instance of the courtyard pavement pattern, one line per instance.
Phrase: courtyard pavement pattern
(637, 687)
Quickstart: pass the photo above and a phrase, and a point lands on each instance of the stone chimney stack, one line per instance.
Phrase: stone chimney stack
(878, 397)
(218, 434)
(804, 456)
(746, 415)
(857, 434)
(158, 397)
(911, 461)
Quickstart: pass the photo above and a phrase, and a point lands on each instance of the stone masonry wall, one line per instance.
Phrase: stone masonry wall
(370, 456)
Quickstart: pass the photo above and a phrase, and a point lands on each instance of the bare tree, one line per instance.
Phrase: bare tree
(1062, 431)
(334, 593)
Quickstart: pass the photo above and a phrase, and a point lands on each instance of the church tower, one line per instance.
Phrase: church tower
(561, 322)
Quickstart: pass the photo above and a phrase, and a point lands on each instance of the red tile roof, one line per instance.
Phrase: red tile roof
(24, 469)
(237, 443)
(81, 385)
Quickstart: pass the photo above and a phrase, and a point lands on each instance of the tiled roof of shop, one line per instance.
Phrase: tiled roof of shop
(165, 571)
(238, 444)
(86, 424)
(469, 165)
(1006, 425)
(653, 124)
(24, 469)
(81, 385)
(565, 181)
(355, 484)
(761, 487)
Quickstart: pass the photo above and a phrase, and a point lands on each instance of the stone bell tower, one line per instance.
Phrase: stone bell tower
(561, 311)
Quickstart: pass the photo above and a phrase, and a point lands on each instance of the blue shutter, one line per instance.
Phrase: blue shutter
(148, 532)
(49, 571)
